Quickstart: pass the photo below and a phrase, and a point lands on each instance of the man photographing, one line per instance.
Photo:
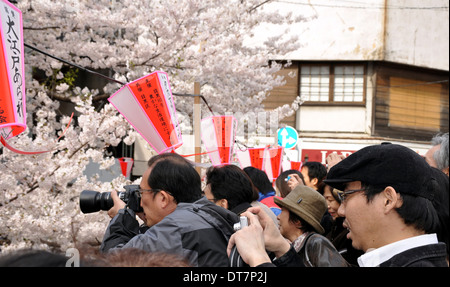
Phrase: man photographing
(181, 221)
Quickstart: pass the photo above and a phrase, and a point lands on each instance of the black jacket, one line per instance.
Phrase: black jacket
(197, 231)
(316, 251)
(432, 255)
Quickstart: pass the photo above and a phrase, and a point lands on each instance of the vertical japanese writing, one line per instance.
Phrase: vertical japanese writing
(275, 155)
(148, 93)
(12, 109)
(226, 138)
(165, 89)
(2, 116)
(256, 157)
(219, 126)
(15, 54)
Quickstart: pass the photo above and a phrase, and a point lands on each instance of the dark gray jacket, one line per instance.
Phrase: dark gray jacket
(197, 231)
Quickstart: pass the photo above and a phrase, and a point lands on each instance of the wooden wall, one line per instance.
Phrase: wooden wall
(285, 94)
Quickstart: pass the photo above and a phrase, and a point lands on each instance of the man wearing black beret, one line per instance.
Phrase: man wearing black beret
(387, 202)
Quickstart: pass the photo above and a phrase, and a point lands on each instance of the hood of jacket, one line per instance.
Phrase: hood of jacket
(217, 216)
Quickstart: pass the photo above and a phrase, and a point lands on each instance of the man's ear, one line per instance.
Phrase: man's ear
(298, 224)
(222, 202)
(314, 181)
(166, 199)
(391, 199)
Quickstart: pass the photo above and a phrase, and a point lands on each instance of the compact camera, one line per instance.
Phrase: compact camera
(243, 221)
(235, 258)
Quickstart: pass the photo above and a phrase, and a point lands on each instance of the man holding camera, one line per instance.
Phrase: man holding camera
(181, 221)
(387, 198)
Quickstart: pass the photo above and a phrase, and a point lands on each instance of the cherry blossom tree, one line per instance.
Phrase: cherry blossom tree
(192, 40)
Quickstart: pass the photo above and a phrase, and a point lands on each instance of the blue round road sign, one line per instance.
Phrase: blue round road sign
(287, 137)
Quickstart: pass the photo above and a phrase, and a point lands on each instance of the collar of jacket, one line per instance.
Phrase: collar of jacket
(219, 217)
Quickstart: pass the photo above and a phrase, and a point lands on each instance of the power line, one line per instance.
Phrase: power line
(363, 6)
(104, 76)
(72, 64)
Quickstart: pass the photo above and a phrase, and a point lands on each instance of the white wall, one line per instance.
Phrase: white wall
(334, 30)
(418, 37)
(331, 119)
(416, 32)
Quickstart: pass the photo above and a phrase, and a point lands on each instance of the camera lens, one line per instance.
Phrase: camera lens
(93, 201)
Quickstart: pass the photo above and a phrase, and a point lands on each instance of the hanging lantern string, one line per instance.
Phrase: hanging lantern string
(104, 76)
(201, 153)
(72, 64)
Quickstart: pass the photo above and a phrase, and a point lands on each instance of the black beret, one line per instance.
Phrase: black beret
(385, 165)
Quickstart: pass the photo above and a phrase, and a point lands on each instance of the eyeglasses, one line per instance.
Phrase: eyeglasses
(141, 191)
(153, 190)
(343, 194)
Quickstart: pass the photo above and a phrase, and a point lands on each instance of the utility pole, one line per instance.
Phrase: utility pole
(197, 118)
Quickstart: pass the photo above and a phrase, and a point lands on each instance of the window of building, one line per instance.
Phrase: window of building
(315, 83)
(332, 83)
(414, 104)
(410, 102)
(348, 83)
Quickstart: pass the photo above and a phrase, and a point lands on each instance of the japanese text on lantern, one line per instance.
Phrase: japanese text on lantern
(15, 55)
(223, 126)
(12, 98)
(256, 157)
(6, 110)
(275, 155)
(149, 95)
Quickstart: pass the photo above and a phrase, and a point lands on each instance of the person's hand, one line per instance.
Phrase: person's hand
(262, 234)
(249, 242)
(273, 240)
(118, 204)
(294, 180)
(333, 159)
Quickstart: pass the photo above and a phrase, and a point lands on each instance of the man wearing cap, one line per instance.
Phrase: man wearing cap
(387, 204)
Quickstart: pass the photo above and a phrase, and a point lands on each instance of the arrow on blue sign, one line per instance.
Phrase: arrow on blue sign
(287, 137)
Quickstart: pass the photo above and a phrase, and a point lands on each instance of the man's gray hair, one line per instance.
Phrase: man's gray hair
(441, 155)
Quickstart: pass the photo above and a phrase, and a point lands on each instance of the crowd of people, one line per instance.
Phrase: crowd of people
(384, 205)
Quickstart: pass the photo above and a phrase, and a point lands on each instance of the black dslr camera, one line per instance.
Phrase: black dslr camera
(93, 201)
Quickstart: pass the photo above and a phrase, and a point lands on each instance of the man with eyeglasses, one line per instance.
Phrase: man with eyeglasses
(387, 202)
(180, 220)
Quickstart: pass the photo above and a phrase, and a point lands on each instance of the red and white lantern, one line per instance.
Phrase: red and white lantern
(252, 157)
(218, 134)
(147, 104)
(287, 165)
(126, 164)
(12, 72)
(272, 163)
(266, 159)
